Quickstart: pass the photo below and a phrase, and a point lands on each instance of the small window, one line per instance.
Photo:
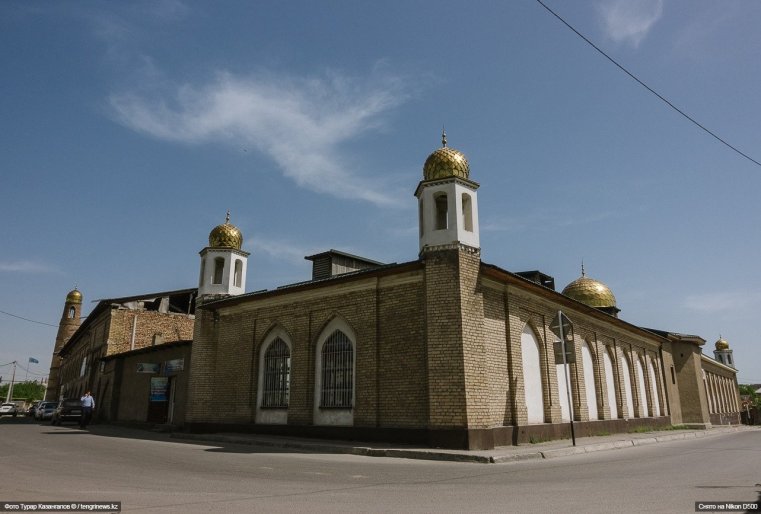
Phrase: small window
(337, 371)
(203, 272)
(467, 212)
(72, 312)
(238, 272)
(277, 374)
(219, 267)
(442, 212)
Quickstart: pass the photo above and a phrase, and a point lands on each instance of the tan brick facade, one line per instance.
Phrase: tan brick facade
(438, 358)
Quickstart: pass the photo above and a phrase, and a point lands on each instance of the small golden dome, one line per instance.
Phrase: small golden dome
(722, 344)
(446, 162)
(590, 292)
(74, 296)
(226, 235)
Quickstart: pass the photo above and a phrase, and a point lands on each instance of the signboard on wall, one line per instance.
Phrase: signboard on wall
(159, 389)
(173, 366)
(148, 367)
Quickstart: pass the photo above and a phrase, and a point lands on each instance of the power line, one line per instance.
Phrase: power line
(27, 319)
(666, 101)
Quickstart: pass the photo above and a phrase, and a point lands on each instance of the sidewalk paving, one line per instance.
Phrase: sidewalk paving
(503, 454)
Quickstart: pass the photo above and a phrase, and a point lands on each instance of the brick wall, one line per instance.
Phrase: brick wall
(385, 313)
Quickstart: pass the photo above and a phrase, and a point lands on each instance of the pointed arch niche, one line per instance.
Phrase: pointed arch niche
(589, 380)
(610, 382)
(532, 376)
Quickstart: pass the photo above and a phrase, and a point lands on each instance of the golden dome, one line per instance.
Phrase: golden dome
(590, 292)
(226, 235)
(74, 296)
(445, 162)
(722, 344)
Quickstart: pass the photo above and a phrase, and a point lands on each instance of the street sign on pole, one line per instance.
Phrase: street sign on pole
(570, 353)
(562, 327)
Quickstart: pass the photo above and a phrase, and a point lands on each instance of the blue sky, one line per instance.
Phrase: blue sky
(130, 128)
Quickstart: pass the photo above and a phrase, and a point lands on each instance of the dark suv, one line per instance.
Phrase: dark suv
(67, 410)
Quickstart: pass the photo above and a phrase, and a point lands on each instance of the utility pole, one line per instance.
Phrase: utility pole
(9, 397)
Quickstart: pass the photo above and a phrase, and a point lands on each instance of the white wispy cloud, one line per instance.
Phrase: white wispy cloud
(300, 123)
(728, 301)
(629, 21)
(26, 267)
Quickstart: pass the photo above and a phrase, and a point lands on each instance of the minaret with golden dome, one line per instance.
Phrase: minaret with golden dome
(447, 201)
(223, 263)
(70, 321)
(723, 353)
(593, 293)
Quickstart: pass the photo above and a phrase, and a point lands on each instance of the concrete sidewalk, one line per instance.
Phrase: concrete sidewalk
(504, 454)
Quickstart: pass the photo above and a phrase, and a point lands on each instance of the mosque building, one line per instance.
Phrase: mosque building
(444, 350)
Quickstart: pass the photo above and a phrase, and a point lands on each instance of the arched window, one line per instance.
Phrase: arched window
(219, 267)
(337, 372)
(277, 374)
(442, 211)
(589, 380)
(467, 212)
(72, 312)
(238, 272)
(203, 272)
(420, 218)
(610, 383)
(532, 377)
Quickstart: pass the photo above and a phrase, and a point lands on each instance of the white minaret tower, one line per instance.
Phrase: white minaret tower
(722, 352)
(223, 263)
(447, 201)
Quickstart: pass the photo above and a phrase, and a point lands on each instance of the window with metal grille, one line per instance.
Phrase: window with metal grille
(277, 374)
(337, 371)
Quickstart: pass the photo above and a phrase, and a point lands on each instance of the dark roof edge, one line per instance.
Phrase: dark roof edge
(343, 254)
(385, 269)
(499, 273)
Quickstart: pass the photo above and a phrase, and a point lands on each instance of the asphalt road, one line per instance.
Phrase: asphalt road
(149, 472)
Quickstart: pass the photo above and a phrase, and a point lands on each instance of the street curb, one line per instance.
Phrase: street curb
(442, 455)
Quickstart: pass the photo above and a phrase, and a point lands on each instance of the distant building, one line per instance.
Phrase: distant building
(89, 359)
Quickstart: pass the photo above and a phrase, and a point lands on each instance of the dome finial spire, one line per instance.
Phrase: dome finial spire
(443, 137)
(227, 218)
(583, 274)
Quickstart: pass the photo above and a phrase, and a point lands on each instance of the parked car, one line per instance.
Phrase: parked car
(45, 410)
(8, 409)
(32, 410)
(68, 410)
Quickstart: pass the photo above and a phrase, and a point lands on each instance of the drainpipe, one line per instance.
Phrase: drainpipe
(134, 329)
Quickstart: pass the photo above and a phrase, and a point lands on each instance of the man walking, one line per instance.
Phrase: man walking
(88, 404)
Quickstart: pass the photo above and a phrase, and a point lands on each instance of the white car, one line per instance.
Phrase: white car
(45, 410)
(8, 409)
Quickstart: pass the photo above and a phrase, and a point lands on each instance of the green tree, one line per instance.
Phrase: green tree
(30, 391)
(747, 390)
